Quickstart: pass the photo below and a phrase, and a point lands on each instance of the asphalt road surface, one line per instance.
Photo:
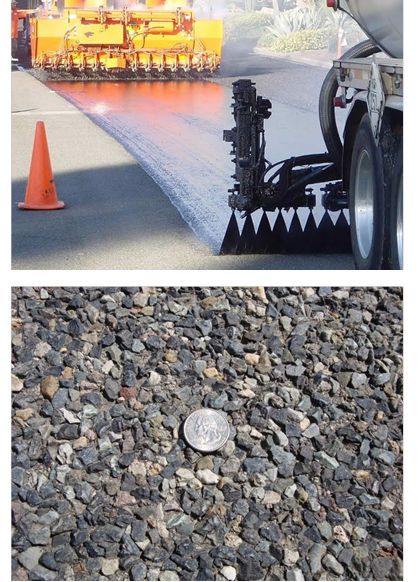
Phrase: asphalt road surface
(174, 131)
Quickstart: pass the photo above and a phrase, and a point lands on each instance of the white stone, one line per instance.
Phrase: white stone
(246, 393)
(305, 423)
(194, 484)
(290, 557)
(341, 294)
(17, 384)
(61, 473)
(208, 477)
(295, 574)
(69, 416)
(271, 497)
(386, 503)
(184, 474)
(229, 572)
(107, 367)
(154, 378)
(295, 415)
(168, 576)
(290, 491)
(110, 566)
(137, 468)
(307, 292)
(65, 453)
(41, 349)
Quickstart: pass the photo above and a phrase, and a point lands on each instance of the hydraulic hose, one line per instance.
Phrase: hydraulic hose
(329, 89)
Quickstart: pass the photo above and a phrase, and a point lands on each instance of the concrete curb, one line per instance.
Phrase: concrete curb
(298, 57)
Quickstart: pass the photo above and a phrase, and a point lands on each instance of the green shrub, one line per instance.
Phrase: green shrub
(266, 40)
(290, 21)
(246, 25)
(303, 40)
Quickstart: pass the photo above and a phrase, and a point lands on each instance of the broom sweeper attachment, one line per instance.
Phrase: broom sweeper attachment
(84, 40)
(280, 187)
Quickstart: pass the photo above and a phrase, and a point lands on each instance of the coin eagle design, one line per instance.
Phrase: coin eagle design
(206, 430)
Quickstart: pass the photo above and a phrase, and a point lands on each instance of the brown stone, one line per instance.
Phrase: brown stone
(252, 359)
(211, 373)
(25, 413)
(80, 443)
(49, 387)
(86, 386)
(90, 434)
(20, 574)
(128, 392)
(124, 498)
(170, 356)
(67, 373)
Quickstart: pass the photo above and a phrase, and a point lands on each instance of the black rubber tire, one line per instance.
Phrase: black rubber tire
(326, 107)
(365, 145)
(395, 199)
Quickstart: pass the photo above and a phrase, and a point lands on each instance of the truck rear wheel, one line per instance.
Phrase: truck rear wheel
(367, 200)
(396, 213)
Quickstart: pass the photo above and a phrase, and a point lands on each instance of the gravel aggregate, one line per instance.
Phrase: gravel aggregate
(309, 484)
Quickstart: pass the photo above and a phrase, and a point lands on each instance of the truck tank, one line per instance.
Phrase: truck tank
(381, 20)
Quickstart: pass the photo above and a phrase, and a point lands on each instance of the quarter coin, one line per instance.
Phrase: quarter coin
(206, 430)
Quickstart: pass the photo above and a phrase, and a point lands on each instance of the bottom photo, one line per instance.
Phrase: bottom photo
(207, 433)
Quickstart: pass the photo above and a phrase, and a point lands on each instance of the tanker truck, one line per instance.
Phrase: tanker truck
(360, 176)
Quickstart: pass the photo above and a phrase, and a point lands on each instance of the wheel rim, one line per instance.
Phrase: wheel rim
(363, 203)
(400, 223)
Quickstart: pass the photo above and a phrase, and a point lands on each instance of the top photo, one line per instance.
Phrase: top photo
(207, 134)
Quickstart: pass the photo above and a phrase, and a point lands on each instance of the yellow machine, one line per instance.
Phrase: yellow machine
(89, 40)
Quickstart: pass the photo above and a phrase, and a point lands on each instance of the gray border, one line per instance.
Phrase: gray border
(4, 287)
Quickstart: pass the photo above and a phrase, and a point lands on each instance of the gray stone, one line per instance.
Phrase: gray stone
(294, 371)
(18, 475)
(358, 380)
(138, 572)
(315, 555)
(30, 557)
(66, 554)
(65, 523)
(68, 432)
(41, 573)
(326, 460)
(311, 431)
(40, 536)
(381, 379)
(282, 457)
(107, 533)
(325, 529)
(137, 346)
(84, 491)
(332, 564)
(381, 568)
(386, 457)
(254, 465)
(366, 499)
(88, 455)
(60, 398)
(176, 520)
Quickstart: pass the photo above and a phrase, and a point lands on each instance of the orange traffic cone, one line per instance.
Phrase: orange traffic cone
(40, 191)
